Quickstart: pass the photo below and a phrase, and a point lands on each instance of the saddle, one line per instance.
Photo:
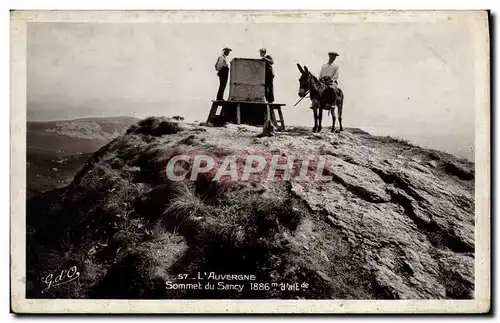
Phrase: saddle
(331, 92)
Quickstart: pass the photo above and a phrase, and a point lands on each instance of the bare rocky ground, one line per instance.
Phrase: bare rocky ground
(396, 221)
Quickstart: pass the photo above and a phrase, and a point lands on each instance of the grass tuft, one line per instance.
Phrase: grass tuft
(155, 127)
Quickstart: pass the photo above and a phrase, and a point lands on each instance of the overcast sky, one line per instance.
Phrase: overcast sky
(414, 80)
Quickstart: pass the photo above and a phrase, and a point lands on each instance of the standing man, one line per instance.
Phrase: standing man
(269, 75)
(222, 68)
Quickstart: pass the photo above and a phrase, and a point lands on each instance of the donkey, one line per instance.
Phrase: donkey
(320, 98)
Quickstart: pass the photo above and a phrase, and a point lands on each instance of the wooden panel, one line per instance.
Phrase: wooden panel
(247, 80)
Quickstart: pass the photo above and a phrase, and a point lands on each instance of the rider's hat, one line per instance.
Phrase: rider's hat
(333, 54)
(227, 48)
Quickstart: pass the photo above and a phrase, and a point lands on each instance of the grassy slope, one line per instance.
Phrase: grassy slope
(128, 229)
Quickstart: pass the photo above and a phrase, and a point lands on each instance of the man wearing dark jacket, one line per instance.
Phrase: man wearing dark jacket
(269, 75)
(222, 69)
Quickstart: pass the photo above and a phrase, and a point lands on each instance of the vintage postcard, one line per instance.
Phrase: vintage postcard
(250, 162)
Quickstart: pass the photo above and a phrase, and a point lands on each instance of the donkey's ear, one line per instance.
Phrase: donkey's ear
(305, 69)
(300, 68)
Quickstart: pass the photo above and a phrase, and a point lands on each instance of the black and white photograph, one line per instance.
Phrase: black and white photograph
(241, 156)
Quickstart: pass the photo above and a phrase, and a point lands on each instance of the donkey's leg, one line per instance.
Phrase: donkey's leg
(332, 111)
(315, 115)
(320, 116)
(341, 103)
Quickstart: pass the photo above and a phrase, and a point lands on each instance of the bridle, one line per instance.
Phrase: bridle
(302, 98)
(308, 90)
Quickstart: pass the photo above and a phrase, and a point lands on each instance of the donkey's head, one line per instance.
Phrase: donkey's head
(304, 80)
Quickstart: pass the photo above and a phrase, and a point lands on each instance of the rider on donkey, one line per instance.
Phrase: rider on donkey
(329, 75)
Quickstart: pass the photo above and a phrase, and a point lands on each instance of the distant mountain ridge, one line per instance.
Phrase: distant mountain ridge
(55, 150)
(66, 137)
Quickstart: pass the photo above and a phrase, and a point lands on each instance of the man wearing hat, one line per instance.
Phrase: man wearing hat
(329, 75)
(330, 71)
(222, 68)
(269, 75)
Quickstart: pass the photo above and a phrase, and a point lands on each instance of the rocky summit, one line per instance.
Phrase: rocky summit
(394, 221)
